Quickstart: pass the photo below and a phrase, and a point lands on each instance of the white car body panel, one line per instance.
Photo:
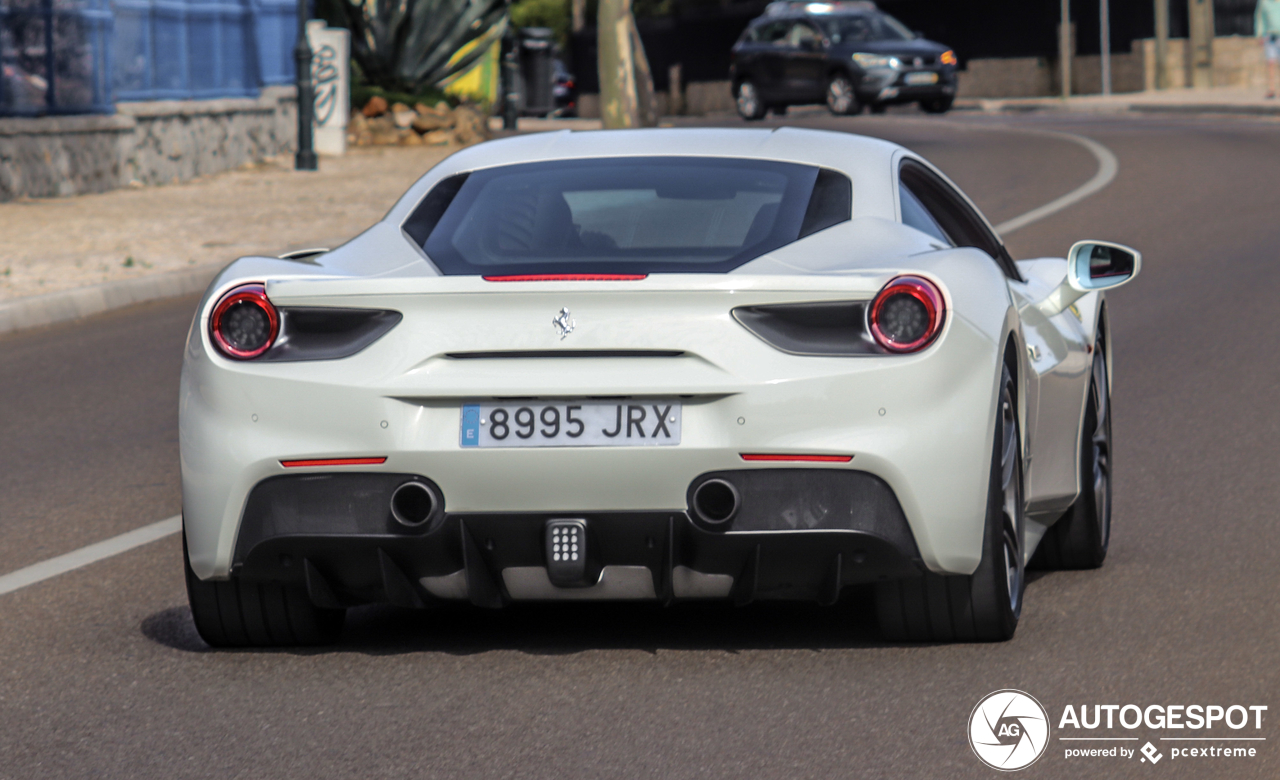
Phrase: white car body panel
(922, 422)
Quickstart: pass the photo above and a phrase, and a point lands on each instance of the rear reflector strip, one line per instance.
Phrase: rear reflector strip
(567, 278)
(294, 464)
(800, 458)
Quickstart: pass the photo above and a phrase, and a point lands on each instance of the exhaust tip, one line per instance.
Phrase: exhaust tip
(413, 504)
(715, 501)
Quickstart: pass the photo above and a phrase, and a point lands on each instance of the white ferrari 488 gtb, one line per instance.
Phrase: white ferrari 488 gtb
(655, 365)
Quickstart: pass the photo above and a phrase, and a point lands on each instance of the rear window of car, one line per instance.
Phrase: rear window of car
(624, 215)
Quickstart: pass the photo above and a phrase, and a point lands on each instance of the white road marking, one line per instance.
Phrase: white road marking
(1108, 166)
(86, 555)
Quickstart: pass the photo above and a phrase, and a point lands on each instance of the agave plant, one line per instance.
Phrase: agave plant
(405, 45)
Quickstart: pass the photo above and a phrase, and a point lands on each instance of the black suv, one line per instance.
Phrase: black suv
(846, 53)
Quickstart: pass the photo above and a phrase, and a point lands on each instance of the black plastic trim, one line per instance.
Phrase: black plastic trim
(811, 499)
(347, 551)
(820, 329)
(328, 333)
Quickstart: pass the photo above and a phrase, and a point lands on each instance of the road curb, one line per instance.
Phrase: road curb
(1058, 106)
(66, 305)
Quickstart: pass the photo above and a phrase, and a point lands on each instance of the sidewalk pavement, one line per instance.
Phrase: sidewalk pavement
(1215, 100)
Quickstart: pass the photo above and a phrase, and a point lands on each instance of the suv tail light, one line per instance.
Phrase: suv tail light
(244, 324)
(907, 314)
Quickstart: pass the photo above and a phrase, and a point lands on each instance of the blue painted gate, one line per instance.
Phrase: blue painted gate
(103, 51)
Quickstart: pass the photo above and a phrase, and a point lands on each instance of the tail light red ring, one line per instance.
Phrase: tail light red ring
(922, 290)
(256, 294)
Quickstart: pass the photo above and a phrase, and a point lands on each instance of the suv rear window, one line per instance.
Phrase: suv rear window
(624, 215)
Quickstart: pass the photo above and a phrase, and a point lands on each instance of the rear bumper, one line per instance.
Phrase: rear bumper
(800, 534)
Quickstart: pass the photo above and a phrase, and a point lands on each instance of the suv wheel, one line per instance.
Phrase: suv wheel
(750, 107)
(939, 105)
(841, 99)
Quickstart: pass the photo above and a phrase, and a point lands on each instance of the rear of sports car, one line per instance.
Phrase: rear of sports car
(588, 398)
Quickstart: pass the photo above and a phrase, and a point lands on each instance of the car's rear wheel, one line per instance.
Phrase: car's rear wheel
(245, 614)
(939, 105)
(841, 99)
(1080, 539)
(750, 106)
(986, 605)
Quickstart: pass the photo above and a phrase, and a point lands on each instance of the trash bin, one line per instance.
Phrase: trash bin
(537, 49)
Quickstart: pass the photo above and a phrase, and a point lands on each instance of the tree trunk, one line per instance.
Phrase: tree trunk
(626, 85)
(646, 101)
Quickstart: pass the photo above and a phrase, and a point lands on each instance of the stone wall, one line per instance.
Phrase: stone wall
(54, 156)
(1038, 76)
(1237, 62)
(143, 143)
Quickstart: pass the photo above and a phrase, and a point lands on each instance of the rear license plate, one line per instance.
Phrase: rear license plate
(573, 424)
(919, 79)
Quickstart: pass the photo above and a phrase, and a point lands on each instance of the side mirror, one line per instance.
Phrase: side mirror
(1092, 265)
(1099, 265)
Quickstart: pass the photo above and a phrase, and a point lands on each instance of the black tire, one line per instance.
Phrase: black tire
(841, 99)
(940, 105)
(986, 605)
(747, 99)
(245, 614)
(1080, 539)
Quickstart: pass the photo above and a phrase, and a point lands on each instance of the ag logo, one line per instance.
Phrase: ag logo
(1008, 730)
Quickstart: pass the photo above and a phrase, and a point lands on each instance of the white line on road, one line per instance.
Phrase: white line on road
(86, 555)
(1108, 166)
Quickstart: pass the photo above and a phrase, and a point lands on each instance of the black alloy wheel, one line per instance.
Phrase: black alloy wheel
(749, 104)
(841, 99)
(986, 605)
(1081, 538)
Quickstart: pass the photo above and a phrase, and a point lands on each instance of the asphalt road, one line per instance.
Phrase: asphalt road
(102, 674)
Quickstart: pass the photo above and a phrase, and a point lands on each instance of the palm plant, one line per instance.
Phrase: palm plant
(408, 45)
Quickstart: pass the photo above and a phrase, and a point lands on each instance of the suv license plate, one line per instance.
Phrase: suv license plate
(572, 424)
(918, 79)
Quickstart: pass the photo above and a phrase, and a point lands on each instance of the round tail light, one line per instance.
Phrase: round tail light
(907, 314)
(244, 324)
